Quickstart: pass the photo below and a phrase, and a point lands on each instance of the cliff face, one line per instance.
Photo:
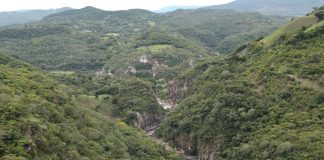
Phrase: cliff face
(211, 152)
(156, 65)
(177, 90)
(147, 121)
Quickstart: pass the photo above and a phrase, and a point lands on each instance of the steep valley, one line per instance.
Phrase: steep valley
(42, 118)
(197, 84)
(249, 105)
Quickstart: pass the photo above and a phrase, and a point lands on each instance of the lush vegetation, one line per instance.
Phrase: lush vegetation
(110, 73)
(88, 39)
(129, 99)
(265, 101)
(41, 118)
(133, 100)
(221, 30)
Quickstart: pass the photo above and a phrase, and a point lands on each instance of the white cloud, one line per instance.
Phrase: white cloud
(10, 5)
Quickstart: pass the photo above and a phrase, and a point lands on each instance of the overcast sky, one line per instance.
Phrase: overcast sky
(11, 5)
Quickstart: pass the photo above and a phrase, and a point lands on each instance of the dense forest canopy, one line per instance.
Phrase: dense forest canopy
(89, 38)
(192, 84)
(264, 101)
(42, 118)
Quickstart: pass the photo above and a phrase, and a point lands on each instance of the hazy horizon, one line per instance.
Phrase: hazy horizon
(18, 5)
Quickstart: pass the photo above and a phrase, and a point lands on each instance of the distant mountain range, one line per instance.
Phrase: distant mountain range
(25, 16)
(292, 8)
(174, 8)
(272, 7)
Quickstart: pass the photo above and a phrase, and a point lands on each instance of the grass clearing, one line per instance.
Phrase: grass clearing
(155, 48)
(290, 28)
(315, 26)
(62, 72)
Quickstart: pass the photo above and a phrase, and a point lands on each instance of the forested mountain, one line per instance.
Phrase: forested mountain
(264, 101)
(291, 8)
(42, 118)
(192, 84)
(89, 38)
(21, 17)
(221, 30)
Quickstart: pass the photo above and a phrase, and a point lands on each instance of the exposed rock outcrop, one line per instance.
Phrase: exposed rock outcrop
(130, 70)
(166, 104)
(191, 63)
(101, 72)
(146, 58)
(155, 68)
(177, 90)
(210, 152)
(187, 144)
(156, 65)
(146, 121)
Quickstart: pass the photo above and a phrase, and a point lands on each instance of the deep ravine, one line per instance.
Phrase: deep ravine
(151, 133)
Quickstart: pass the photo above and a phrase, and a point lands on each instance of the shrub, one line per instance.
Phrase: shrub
(284, 147)
(320, 14)
(320, 98)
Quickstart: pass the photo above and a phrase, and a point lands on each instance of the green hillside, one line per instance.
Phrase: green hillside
(312, 21)
(221, 30)
(261, 102)
(88, 39)
(42, 118)
(204, 84)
